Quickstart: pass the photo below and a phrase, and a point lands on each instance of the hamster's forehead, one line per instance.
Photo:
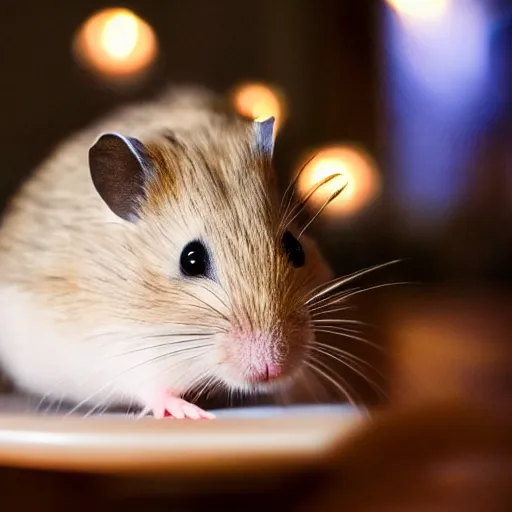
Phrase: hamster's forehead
(221, 190)
(213, 172)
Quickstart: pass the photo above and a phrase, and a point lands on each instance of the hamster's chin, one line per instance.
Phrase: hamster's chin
(283, 383)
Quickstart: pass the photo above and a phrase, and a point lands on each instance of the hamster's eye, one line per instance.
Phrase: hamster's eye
(294, 250)
(194, 259)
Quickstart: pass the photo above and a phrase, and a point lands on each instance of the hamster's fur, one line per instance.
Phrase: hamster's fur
(94, 307)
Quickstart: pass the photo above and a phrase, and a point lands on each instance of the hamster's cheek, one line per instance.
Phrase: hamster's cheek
(168, 373)
(316, 264)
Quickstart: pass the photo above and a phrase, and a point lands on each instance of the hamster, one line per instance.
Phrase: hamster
(148, 256)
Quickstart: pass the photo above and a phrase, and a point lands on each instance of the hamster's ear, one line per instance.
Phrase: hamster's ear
(119, 169)
(265, 136)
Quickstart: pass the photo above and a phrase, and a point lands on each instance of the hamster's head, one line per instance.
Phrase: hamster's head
(216, 271)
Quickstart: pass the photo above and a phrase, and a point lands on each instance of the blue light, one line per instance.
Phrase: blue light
(443, 90)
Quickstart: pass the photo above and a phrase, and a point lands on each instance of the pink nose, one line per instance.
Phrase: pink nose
(265, 372)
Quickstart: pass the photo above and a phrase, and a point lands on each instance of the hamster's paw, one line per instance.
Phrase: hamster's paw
(174, 407)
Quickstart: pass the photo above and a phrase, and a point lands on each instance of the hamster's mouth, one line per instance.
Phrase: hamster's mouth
(285, 381)
(261, 362)
(266, 388)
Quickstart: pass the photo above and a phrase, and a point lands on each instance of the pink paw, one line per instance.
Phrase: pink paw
(174, 407)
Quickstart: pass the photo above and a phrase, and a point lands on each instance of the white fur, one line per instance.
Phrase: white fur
(34, 350)
(97, 367)
(91, 305)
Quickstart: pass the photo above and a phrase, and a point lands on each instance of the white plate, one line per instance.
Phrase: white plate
(246, 439)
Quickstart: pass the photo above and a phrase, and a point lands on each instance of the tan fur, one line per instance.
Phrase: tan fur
(85, 295)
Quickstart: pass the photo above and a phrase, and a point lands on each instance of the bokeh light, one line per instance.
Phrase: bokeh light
(259, 102)
(358, 172)
(116, 43)
(422, 9)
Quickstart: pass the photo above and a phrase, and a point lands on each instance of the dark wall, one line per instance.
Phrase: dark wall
(320, 53)
(327, 55)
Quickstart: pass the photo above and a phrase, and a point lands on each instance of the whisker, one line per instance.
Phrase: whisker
(337, 326)
(100, 407)
(129, 409)
(321, 286)
(328, 201)
(293, 182)
(313, 365)
(97, 406)
(189, 360)
(343, 280)
(49, 407)
(107, 406)
(343, 296)
(352, 336)
(155, 375)
(214, 295)
(144, 412)
(338, 329)
(59, 405)
(137, 336)
(371, 288)
(195, 324)
(352, 366)
(330, 300)
(41, 401)
(208, 306)
(331, 371)
(160, 345)
(320, 310)
(176, 335)
(344, 321)
(148, 361)
(208, 380)
(300, 207)
(217, 386)
(349, 355)
(200, 380)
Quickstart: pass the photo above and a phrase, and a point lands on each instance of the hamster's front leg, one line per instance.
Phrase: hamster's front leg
(168, 404)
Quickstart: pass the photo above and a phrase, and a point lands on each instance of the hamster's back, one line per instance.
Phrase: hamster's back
(58, 205)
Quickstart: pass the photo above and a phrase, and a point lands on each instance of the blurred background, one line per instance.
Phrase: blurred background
(410, 99)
